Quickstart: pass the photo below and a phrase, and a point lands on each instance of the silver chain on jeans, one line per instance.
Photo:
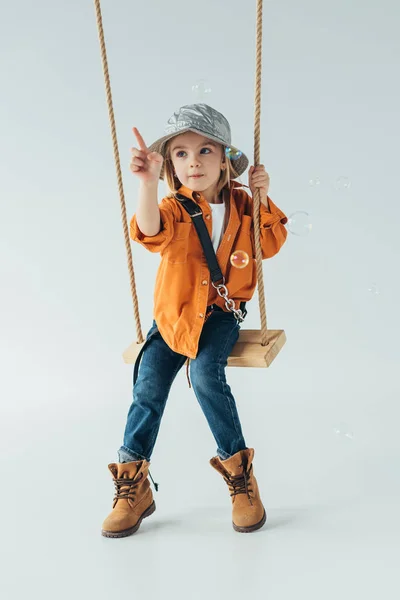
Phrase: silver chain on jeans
(230, 304)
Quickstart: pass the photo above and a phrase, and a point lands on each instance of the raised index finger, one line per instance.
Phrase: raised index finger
(141, 142)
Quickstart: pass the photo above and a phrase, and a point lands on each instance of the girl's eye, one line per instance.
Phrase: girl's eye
(180, 151)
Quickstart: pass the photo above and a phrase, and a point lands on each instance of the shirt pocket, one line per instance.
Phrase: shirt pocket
(178, 248)
(246, 236)
(246, 222)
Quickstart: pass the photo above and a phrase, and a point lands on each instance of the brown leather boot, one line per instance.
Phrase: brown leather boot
(248, 513)
(133, 500)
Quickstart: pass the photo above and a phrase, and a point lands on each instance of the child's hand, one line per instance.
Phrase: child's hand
(147, 166)
(259, 179)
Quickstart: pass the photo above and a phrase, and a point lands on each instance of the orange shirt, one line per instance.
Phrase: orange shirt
(183, 287)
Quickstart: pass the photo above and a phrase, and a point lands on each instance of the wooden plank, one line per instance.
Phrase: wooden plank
(130, 354)
(247, 351)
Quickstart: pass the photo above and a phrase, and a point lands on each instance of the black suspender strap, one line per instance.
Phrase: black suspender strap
(196, 215)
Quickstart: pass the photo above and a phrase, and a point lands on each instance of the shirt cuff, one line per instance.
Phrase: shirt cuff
(271, 216)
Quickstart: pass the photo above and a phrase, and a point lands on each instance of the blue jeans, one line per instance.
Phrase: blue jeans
(157, 371)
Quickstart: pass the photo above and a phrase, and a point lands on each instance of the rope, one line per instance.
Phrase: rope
(256, 203)
(128, 248)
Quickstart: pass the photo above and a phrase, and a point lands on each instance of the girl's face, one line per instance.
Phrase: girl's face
(193, 154)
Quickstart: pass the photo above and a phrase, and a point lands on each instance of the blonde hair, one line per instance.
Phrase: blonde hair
(174, 184)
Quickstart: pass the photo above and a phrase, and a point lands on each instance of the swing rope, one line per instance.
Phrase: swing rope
(139, 333)
(256, 198)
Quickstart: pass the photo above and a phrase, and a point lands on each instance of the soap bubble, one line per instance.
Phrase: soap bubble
(201, 90)
(343, 430)
(240, 259)
(314, 182)
(373, 289)
(342, 183)
(299, 223)
(233, 153)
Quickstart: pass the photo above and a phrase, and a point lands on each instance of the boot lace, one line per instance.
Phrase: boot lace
(238, 484)
(129, 484)
(125, 488)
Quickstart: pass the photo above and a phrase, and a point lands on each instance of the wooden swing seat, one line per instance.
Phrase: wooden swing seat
(247, 352)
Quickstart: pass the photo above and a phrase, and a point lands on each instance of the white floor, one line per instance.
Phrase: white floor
(332, 530)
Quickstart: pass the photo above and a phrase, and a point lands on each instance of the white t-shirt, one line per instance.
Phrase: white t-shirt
(218, 216)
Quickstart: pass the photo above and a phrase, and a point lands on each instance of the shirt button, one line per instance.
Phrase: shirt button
(208, 216)
(201, 315)
(204, 282)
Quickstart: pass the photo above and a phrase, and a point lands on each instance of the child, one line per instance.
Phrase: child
(191, 321)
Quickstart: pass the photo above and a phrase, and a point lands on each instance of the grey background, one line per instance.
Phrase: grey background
(323, 419)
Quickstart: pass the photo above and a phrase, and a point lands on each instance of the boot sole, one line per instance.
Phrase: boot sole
(251, 527)
(125, 532)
